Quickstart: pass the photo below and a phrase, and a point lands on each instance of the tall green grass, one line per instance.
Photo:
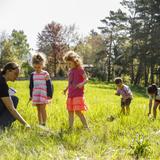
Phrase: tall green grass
(125, 138)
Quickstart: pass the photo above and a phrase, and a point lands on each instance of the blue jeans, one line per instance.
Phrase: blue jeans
(6, 118)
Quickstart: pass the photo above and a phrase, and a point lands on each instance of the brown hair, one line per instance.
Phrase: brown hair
(74, 57)
(118, 80)
(152, 89)
(9, 66)
(38, 59)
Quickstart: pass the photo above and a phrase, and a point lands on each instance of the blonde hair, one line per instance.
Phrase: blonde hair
(39, 58)
(74, 57)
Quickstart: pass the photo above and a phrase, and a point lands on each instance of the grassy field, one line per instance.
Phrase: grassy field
(125, 138)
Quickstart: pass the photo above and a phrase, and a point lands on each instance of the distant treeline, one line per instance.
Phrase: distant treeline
(128, 45)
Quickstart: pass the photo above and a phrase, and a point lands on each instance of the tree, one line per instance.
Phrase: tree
(114, 30)
(134, 39)
(3, 37)
(7, 52)
(20, 45)
(145, 37)
(89, 47)
(13, 47)
(54, 40)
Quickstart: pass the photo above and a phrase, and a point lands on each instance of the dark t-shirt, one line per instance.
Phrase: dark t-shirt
(3, 87)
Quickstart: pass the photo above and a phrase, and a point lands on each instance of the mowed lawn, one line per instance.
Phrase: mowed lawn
(117, 137)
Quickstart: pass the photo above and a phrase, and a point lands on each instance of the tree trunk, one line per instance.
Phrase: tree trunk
(132, 72)
(145, 72)
(152, 72)
(55, 65)
(145, 76)
(139, 73)
(109, 58)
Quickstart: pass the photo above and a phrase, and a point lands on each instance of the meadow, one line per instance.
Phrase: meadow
(120, 138)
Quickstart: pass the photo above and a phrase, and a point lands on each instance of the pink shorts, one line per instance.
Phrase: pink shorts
(76, 104)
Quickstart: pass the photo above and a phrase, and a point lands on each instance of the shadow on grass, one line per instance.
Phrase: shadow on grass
(103, 85)
(138, 90)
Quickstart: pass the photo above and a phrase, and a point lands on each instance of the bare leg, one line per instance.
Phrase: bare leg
(82, 118)
(39, 114)
(150, 107)
(155, 108)
(127, 110)
(123, 110)
(71, 119)
(43, 114)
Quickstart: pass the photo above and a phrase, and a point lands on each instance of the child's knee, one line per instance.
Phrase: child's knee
(78, 112)
(70, 112)
(155, 107)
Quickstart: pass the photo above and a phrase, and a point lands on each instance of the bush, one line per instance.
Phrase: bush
(26, 69)
(61, 72)
(140, 146)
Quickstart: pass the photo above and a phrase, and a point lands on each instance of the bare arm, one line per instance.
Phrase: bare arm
(85, 78)
(84, 82)
(117, 92)
(65, 90)
(10, 106)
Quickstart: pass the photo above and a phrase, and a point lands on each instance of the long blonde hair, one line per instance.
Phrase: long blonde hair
(74, 57)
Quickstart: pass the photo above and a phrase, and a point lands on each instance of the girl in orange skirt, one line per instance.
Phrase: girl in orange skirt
(76, 80)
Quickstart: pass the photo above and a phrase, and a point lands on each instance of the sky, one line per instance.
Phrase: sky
(31, 16)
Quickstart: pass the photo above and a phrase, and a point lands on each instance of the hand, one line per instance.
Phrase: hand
(49, 99)
(64, 91)
(80, 85)
(27, 126)
(47, 77)
(117, 94)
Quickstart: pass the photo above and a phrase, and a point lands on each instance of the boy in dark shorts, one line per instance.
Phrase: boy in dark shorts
(154, 99)
(126, 94)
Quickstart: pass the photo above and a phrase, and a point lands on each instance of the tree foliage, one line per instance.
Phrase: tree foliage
(54, 40)
(134, 40)
(13, 47)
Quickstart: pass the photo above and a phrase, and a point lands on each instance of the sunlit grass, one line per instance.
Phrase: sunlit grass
(105, 140)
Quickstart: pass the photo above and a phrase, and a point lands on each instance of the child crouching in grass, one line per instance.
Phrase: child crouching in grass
(154, 95)
(126, 94)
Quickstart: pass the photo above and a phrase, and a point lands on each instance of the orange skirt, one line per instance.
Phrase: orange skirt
(76, 104)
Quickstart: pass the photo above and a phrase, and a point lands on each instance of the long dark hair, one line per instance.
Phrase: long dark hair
(9, 66)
